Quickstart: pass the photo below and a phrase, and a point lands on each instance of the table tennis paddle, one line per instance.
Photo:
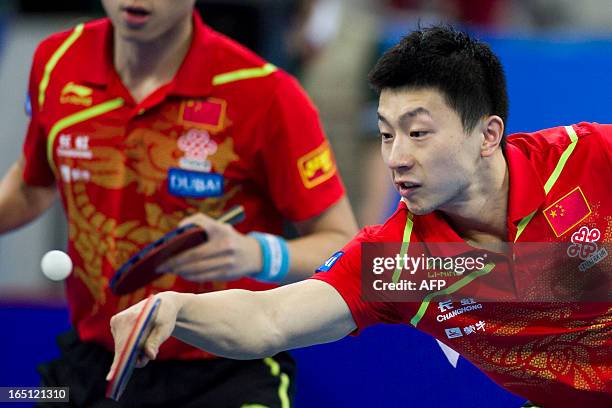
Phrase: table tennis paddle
(140, 269)
(132, 348)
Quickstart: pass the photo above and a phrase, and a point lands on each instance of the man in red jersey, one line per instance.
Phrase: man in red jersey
(442, 110)
(148, 119)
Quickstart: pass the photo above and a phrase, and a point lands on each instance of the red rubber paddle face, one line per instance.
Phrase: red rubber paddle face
(132, 349)
(139, 270)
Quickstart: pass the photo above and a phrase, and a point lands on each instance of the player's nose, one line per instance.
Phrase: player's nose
(401, 156)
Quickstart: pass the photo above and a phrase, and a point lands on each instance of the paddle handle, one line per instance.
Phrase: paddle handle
(233, 216)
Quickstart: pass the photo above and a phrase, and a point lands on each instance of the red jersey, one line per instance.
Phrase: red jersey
(554, 354)
(228, 129)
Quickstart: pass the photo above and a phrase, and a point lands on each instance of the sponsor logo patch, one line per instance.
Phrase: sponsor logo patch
(75, 94)
(194, 184)
(584, 246)
(317, 166)
(327, 265)
(74, 146)
(453, 332)
(70, 174)
(27, 105)
(584, 243)
(198, 146)
(448, 310)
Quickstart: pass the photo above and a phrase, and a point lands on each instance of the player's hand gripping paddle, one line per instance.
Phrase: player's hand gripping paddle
(133, 347)
(139, 270)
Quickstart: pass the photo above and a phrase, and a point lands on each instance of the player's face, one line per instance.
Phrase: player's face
(431, 158)
(147, 20)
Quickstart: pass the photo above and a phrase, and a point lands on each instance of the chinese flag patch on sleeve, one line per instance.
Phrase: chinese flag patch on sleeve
(565, 213)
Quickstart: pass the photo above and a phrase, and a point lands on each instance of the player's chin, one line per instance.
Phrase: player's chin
(419, 210)
(134, 34)
(418, 205)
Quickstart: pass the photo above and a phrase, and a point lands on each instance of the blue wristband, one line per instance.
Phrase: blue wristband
(275, 257)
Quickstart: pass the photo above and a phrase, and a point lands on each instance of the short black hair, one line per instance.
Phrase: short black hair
(465, 70)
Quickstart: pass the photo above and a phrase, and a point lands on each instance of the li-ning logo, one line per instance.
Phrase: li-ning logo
(76, 94)
(584, 246)
(197, 146)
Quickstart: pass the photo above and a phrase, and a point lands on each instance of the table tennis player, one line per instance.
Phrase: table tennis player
(148, 119)
(442, 109)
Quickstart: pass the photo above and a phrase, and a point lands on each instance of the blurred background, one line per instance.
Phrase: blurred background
(558, 59)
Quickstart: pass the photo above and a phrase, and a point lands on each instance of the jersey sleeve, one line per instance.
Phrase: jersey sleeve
(605, 132)
(343, 272)
(36, 169)
(299, 163)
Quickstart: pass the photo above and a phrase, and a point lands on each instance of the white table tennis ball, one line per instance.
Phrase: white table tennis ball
(56, 265)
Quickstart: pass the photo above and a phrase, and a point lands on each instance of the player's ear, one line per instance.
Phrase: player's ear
(493, 132)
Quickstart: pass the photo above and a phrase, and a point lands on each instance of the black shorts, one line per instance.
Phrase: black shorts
(196, 383)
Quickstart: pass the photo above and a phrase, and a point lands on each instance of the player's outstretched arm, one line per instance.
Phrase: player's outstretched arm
(20, 203)
(242, 324)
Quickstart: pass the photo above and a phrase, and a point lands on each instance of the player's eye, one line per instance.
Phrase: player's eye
(385, 136)
(418, 133)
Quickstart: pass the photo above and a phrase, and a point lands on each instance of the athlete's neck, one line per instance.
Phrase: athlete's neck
(479, 216)
(145, 66)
